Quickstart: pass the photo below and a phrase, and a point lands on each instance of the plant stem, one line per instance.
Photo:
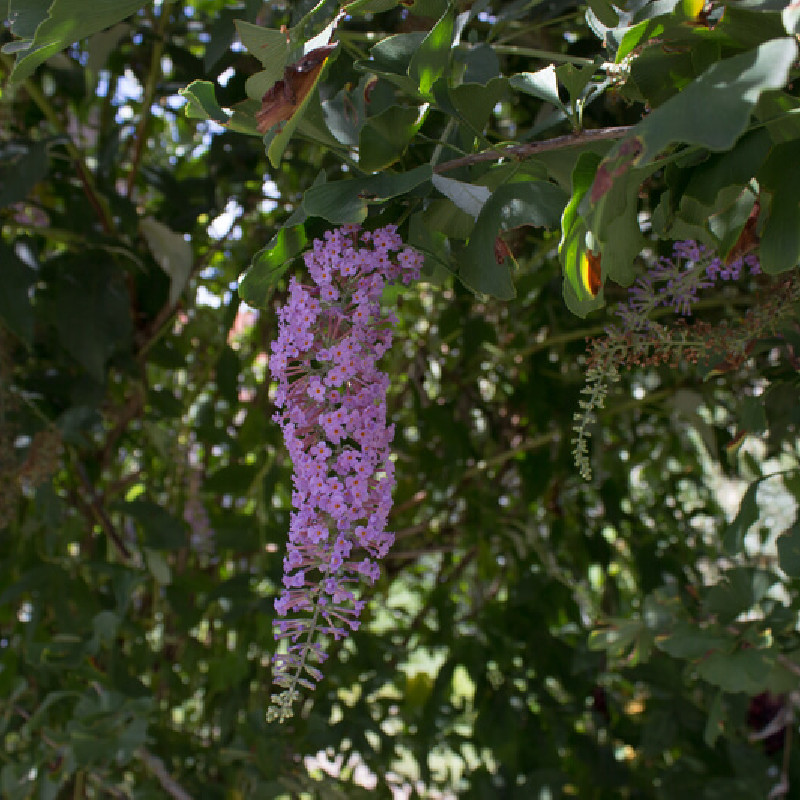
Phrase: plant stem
(521, 151)
(97, 202)
(153, 75)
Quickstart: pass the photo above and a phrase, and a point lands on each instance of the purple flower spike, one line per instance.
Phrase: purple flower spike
(332, 410)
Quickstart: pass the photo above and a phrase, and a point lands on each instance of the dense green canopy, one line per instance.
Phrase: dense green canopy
(593, 589)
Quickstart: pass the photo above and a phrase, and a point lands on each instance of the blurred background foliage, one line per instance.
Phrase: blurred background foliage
(534, 635)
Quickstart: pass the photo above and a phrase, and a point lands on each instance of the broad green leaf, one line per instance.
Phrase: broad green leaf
(160, 530)
(469, 197)
(89, 305)
(370, 6)
(605, 12)
(473, 102)
(384, 138)
(25, 16)
(746, 671)
(390, 58)
(67, 22)
(615, 223)
(713, 110)
(733, 538)
(22, 166)
(617, 638)
(575, 78)
(692, 642)
(157, 566)
(201, 102)
(735, 167)
(394, 53)
(715, 721)
(542, 84)
(346, 201)
(513, 205)
(445, 217)
(270, 264)
(789, 551)
(572, 246)
(780, 239)
(171, 252)
(235, 479)
(432, 57)
(269, 46)
(345, 113)
(739, 589)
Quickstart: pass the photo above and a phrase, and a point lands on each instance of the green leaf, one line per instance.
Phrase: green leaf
(393, 54)
(617, 638)
(89, 305)
(370, 6)
(16, 278)
(157, 566)
(160, 530)
(713, 110)
(513, 205)
(473, 102)
(341, 202)
(691, 642)
(67, 22)
(735, 167)
(780, 239)
(234, 479)
(747, 515)
(716, 719)
(739, 590)
(269, 46)
(171, 252)
(605, 12)
(574, 231)
(469, 197)
(270, 264)
(25, 16)
(789, 551)
(22, 166)
(201, 102)
(746, 671)
(432, 57)
(542, 84)
(384, 138)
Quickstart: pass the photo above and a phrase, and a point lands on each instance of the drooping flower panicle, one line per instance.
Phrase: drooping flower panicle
(639, 340)
(331, 398)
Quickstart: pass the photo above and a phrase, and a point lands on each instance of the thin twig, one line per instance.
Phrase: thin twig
(99, 513)
(520, 151)
(147, 98)
(97, 202)
(168, 783)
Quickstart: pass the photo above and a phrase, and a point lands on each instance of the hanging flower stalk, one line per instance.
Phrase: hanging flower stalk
(331, 398)
(640, 340)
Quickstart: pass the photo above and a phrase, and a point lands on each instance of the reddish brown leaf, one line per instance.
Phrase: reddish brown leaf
(748, 238)
(501, 250)
(281, 100)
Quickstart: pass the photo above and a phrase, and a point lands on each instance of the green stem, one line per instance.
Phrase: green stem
(544, 55)
(153, 76)
(97, 202)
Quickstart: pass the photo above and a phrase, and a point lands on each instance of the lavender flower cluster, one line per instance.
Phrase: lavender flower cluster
(674, 282)
(332, 401)
(639, 340)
